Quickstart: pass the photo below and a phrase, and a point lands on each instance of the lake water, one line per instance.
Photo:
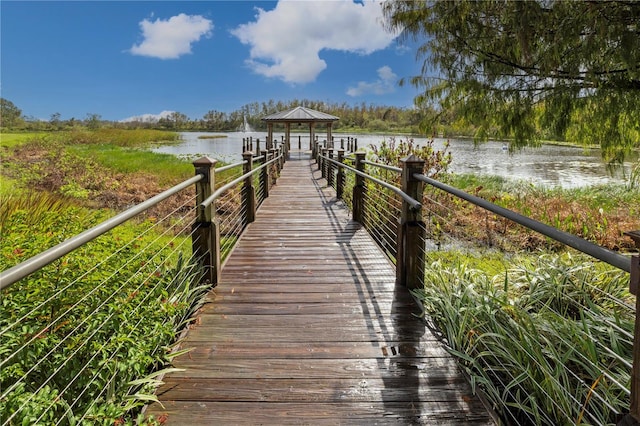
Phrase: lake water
(549, 165)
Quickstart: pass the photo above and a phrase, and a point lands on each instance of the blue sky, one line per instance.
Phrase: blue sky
(121, 59)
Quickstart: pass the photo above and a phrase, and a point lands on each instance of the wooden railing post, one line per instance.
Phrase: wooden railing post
(258, 146)
(264, 175)
(634, 282)
(273, 169)
(323, 163)
(318, 159)
(249, 193)
(340, 175)
(330, 169)
(411, 229)
(205, 233)
(359, 190)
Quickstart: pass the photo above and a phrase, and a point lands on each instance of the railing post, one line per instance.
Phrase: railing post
(323, 163)
(258, 146)
(634, 282)
(340, 175)
(249, 192)
(330, 169)
(318, 154)
(264, 175)
(359, 190)
(205, 233)
(411, 229)
(273, 169)
(281, 154)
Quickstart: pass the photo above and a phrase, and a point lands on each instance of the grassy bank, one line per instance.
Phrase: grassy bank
(600, 214)
(82, 337)
(101, 169)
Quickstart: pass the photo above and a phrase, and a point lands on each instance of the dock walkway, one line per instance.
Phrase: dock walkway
(307, 327)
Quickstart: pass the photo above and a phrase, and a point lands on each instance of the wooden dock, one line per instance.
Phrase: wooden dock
(307, 327)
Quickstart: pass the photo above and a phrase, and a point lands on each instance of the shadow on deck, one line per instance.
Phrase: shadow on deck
(307, 327)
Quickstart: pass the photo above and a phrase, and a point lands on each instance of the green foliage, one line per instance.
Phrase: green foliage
(514, 68)
(10, 115)
(547, 341)
(436, 162)
(81, 336)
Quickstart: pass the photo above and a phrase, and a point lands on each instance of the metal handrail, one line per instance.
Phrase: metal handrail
(29, 266)
(234, 182)
(230, 166)
(580, 244)
(382, 166)
(413, 203)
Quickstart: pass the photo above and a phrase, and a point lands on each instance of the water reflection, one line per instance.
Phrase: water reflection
(549, 165)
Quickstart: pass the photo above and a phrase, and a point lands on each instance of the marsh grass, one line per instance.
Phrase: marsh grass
(212, 136)
(548, 342)
(130, 138)
(168, 168)
(600, 214)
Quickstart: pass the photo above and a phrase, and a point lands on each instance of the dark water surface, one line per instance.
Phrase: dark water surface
(549, 165)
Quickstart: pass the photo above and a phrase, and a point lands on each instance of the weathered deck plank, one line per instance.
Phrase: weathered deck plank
(307, 327)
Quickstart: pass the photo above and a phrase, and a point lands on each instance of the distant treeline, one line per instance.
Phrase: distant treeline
(357, 117)
(352, 117)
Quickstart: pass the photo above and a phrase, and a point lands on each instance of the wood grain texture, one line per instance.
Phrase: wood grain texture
(307, 327)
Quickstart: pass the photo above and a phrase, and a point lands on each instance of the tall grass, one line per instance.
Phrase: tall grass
(81, 337)
(168, 168)
(549, 343)
(130, 138)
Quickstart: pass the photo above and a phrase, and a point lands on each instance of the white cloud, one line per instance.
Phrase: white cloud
(384, 84)
(148, 118)
(286, 41)
(171, 38)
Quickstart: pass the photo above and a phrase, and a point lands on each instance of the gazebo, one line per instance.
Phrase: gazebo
(299, 115)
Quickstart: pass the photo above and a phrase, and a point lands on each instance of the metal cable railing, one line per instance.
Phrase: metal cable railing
(565, 353)
(74, 338)
(81, 344)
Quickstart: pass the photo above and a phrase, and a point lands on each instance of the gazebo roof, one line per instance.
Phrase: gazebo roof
(300, 115)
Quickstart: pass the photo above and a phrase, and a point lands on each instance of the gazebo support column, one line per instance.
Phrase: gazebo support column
(287, 138)
(311, 133)
(270, 136)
